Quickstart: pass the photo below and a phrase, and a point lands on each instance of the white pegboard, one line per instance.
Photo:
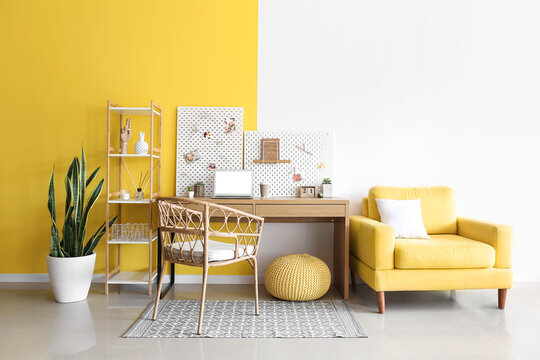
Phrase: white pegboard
(280, 175)
(222, 148)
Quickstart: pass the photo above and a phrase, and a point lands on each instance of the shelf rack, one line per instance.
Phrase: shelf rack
(153, 114)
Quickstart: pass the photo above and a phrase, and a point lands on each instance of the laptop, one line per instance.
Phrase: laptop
(233, 184)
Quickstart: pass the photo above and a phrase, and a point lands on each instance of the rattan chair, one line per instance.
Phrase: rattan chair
(186, 227)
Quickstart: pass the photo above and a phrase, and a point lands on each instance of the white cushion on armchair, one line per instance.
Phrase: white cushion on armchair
(404, 216)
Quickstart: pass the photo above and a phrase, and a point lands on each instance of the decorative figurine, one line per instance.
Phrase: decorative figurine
(141, 146)
(125, 135)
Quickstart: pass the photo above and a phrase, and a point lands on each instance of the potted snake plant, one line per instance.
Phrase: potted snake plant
(71, 260)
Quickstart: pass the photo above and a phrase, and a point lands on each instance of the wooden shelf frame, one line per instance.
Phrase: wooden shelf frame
(154, 115)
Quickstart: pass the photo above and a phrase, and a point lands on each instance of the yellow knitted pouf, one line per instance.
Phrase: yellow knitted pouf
(297, 277)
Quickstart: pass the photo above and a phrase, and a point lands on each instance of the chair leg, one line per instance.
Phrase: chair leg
(353, 278)
(380, 301)
(158, 292)
(203, 297)
(256, 286)
(502, 298)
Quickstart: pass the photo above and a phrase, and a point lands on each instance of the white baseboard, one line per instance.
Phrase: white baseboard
(179, 279)
(527, 278)
(193, 279)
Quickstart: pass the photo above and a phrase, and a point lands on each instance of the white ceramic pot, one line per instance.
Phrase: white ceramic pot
(327, 190)
(191, 194)
(71, 277)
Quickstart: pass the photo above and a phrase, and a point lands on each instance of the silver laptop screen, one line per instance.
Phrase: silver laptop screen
(233, 183)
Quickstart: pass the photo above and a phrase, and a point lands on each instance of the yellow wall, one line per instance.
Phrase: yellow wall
(62, 60)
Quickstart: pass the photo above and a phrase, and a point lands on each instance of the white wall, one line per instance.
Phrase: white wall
(418, 92)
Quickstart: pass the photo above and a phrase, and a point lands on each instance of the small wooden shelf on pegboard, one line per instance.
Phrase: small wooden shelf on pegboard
(270, 152)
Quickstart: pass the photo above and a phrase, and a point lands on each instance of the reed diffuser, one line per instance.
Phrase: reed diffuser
(139, 195)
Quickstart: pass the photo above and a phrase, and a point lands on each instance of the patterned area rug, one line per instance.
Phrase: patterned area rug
(236, 319)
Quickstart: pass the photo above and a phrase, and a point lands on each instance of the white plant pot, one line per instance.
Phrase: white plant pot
(191, 194)
(71, 277)
(327, 190)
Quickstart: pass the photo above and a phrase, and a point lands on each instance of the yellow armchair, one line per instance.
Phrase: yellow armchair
(460, 254)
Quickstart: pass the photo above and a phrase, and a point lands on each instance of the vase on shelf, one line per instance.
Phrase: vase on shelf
(141, 146)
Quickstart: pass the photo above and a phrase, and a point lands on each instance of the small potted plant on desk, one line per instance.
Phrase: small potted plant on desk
(190, 191)
(70, 262)
(199, 189)
(327, 188)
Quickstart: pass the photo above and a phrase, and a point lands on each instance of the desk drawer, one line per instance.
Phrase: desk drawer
(245, 208)
(300, 210)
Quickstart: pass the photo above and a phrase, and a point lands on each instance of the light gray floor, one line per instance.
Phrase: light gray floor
(417, 325)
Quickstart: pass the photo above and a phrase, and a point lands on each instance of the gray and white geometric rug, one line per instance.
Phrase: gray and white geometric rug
(237, 319)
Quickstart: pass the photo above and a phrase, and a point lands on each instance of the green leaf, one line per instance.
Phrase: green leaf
(97, 237)
(76, 189)
(67, 182)
(82, 182)
(51, 203)
(91, 177)
(91, 201)
(67, 233)
(55, 248)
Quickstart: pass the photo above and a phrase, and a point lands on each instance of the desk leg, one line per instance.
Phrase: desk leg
(341, 256)
(171, 282)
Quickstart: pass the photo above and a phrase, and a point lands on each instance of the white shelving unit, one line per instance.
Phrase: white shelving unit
(153, 114)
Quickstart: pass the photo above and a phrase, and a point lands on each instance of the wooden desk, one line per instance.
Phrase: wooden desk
(301, 210)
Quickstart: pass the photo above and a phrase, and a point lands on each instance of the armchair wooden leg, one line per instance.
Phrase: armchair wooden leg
(203, 297)
(502, 298)
(353, 277)
(158, 295)
(380, 301)
(256, 286)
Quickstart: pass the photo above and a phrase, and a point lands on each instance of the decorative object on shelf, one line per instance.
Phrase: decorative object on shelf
(139, 195)
(124, 194)
(125, 135)
(141, 146)
(320, 195)
(265, 190)
(307, 191)
(199, 189)
(70, 262)
(303, 148)
(327, 187)
(192, 156)
(130, 232)
(270, 152)
(230, 126)
(190, 192)
(296, 176)
(297, 277)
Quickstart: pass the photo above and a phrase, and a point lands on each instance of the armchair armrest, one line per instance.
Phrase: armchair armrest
(496, 235)
(372, 242)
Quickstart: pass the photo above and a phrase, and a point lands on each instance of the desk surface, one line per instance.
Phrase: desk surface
(278, 199)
